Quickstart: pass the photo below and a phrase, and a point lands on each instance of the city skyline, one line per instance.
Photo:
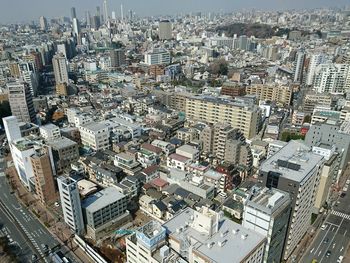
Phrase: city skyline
(25, 11)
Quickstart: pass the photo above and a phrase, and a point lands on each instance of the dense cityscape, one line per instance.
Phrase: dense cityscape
(202, 137)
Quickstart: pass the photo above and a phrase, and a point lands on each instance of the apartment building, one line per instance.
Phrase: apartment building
(70, 203)
(43, 171)
(50, 132)
(95, 135)
(281, 94)
(238, 114)
(157, 56)
(65, 152)
(294, 169)
(103, 209)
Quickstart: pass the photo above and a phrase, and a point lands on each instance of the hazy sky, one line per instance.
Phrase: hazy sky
(25, 10)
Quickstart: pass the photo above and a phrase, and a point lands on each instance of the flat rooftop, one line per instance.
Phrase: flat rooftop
(237, 241)
(101, 199)
(294, 161)
(62, 142)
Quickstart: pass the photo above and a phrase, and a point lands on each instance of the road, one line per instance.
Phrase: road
(335, 237)
(25, 223)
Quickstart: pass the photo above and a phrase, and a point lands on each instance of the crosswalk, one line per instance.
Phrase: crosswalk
(340, 214)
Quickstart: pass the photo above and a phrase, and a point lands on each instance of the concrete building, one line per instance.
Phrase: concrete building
(157, 57)
(294, 169)
(103, 209)
(65, 152)
(329, 133)
(204, 236)
(44, 171)
(50, 132)
(238, 114)
(60, 69)
(21, 101)
(117, 57)
(298, 67)
(70, 203)
(233, 89)
(95, 135)
(165, 30)
(43, 23)
(315, 60)
(267, 212)
(281, 94)
(148, 244)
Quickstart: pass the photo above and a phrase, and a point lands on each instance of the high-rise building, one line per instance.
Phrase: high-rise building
(299, 66)
(70, 203)
(332, 78)
(60, 69)
(267, 212)
(294, 169)
(73, 13)
(315, 60)
(21, 101)
(43, 23)
(121, 12)
(117, 57)
(105, 10)
(76, 27)
(11, 128)
(44, 175)
(165, 30)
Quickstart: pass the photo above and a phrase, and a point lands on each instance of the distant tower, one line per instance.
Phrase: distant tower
(43, 23)
(88, 18)
(73, 13)
(76, 26)
(299, 66)
(165, 30)
(114, 17)
(130, 15)
(105, 10)
(121, 12)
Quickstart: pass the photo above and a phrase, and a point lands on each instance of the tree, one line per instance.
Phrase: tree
(219, 67)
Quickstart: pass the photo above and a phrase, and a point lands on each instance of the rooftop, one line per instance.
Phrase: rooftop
(295, 161)
(101, 199)
(231, 243)
(60, 143)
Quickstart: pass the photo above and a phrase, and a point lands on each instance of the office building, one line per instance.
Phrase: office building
(65, 152)
(117, 57)
(43, 171)
(157, 56)
(70, 203)
(267, 212)
(60, 69)
(43, 23)
(104, 209)
(205, 236)
(238, 114)
(105, 10)
(165, 30)
(281, 94)
(332, 78)
(95, 135)
(294, 169)
(21, 101)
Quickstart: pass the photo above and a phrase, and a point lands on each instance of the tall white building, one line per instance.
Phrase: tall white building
(60, 69)
(70, 203)
(43, 23)
(315, 60)
(332, 78)
(267, 212)
(294, 169)
(157, 56)
(50, 132)
(76, 26)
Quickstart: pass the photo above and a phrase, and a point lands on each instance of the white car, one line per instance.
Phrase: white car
(323, 227)
(340, 259)
(57, 204)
